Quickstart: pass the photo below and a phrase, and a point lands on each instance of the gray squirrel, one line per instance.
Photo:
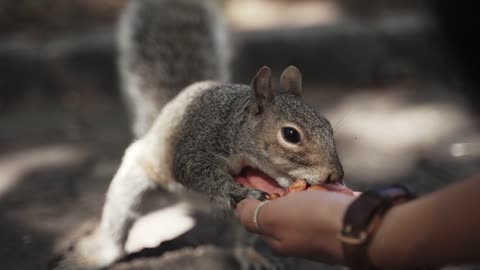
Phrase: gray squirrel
(196, 130)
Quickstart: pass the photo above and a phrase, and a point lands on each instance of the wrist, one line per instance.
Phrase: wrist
(363, 219)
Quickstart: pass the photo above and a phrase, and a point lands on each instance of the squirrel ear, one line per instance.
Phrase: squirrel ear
(291, 80)
(262, 92)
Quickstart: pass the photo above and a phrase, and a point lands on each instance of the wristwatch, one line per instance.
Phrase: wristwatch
(362, 219)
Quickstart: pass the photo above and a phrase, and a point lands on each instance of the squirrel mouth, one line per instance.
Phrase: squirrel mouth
(254, 178)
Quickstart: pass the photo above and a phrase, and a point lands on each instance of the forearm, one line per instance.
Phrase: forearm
(440, 228)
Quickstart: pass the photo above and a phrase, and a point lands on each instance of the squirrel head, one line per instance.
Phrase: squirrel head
(291, 140)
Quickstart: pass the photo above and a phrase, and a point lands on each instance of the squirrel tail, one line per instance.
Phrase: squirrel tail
(164, 46)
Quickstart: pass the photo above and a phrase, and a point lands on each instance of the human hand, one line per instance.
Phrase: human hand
(303, 224)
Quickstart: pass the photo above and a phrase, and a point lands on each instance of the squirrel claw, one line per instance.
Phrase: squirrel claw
(250, 194)
(257, 195)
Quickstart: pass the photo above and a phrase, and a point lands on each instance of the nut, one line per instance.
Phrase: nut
(298, 185)
(273, 196)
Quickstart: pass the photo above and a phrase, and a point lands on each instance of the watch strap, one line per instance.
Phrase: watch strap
(362, 219)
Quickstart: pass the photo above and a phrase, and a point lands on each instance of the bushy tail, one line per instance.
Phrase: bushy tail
(163, 46)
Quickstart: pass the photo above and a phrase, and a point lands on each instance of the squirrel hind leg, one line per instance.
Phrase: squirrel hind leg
(91, 252)
(123, 205)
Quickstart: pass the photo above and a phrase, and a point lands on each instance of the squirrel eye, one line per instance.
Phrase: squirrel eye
(291, 135)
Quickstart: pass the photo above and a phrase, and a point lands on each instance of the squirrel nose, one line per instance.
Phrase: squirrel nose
(335, 176)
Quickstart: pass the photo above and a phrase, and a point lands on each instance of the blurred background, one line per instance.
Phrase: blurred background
(395, 78)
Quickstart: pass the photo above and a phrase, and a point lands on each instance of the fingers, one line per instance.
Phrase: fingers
(246, 211)
(293, 211)
(300, 224)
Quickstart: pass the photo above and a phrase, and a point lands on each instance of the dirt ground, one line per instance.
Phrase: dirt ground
(399, 114)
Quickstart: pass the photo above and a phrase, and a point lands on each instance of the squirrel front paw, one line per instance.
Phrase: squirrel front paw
(256, 194)
(247, 194)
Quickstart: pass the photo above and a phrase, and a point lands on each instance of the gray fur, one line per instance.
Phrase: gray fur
(212, 134)
(219, 127)
(164, 46)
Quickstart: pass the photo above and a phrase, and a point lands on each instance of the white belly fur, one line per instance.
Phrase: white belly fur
(157, 146)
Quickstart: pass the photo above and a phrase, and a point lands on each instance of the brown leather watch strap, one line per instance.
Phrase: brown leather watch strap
(363, 218)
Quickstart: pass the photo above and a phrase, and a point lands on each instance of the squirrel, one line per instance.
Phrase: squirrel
(196, 130)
